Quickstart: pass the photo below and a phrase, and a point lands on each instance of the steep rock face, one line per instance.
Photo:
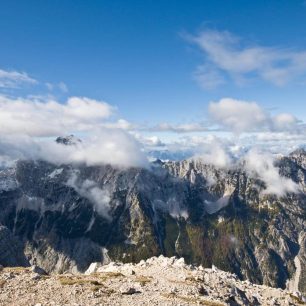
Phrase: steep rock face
(11, 252)
(69, 216)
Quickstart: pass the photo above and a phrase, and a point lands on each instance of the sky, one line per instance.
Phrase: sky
(168, 74)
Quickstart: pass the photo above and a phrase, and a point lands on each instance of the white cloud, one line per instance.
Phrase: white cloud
(108, 146)
(262, 165)
(61, 86)
(26, 126)
(39, 118)
(99, 197)
(49, 86)
(284, 121)
(13, 79)
(180, 128)
(227, 55)
(241, 117)
(120, 124)
(209, 78)
(149, 141)
(215, 152)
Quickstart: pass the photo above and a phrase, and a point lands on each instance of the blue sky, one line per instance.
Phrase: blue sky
(173, 74)
(133, 54)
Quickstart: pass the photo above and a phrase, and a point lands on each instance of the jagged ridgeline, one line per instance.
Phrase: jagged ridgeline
(66, 217)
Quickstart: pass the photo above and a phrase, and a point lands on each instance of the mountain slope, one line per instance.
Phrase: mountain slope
(69, 216)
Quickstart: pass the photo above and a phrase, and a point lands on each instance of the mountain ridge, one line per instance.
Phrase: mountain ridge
(67, 216)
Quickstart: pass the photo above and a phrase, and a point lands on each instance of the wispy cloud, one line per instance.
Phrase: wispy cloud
(262, 165)
(14, 79)
(60, 86)
(228, 56)
(180, 128)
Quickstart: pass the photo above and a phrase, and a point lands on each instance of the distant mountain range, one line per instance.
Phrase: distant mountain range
(64, 217)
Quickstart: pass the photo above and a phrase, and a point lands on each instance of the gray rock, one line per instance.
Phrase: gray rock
(38, 270)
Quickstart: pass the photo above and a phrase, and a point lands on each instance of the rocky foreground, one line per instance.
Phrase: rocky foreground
(156, 281)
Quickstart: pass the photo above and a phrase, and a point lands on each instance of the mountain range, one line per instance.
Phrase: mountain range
(63, 217)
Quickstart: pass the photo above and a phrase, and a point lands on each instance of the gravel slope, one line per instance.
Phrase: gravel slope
(157, 281)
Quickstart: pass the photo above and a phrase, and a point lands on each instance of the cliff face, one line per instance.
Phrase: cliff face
(11, 252)
(69, 216)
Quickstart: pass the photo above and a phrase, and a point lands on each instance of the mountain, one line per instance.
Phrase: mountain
(11, 252)
(67, 216)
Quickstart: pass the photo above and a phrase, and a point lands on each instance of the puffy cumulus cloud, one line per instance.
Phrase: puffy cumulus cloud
(26, 126)
(241, 116)
(87, 109)
(227, 56)
(109, 146)
(237, 115)
(14, 79)
(34, 117)
(217, 156)
(284, 121)
(262, 165)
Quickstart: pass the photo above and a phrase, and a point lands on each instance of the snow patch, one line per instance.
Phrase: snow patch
(55, 173)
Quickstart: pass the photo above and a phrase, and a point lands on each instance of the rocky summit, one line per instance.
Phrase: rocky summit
(64, 217)
(156, 281)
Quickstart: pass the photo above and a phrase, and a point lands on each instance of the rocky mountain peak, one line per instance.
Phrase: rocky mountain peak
(68, 140)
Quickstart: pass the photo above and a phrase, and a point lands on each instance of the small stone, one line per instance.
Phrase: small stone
(128, 290)
(202, 291)
(9, 275)
(38, 270)
(36, 277)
